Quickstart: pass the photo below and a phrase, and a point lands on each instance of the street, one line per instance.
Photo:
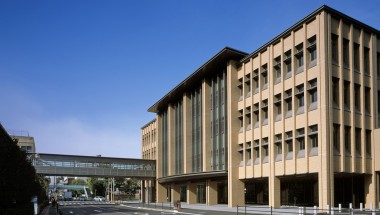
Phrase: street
(103, 208)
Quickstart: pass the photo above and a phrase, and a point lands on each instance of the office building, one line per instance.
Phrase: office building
(293, 123)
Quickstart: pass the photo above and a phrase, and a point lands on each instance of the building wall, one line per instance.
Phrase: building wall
(149, 140)
(306, 104)
(26, 143)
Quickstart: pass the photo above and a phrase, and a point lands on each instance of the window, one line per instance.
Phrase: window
(288, 103)
(312, 51)
(300, 98)
(378, 102)
(256, 115)
(277, 70)
(334, 49)
(249, 153)
(301, 142)
(264, 76)
(241, 121)
(357, 97)
(265, 149)
(367, 100)
(313, 138)
(240, 86)
(313, 135)
(255, 79)
(356, 57)
(257, 151)
(346, 97)
(299, 57)
(289, 145)
(288, 64)
(313, 92)
(241, 152)
(336, 139)
(248, 85)
(335, 92)
(368, 143)
(248, 118)
(366, 61)
(278, 106)
(347, 139)
(278, 144)
(346, 53)
(358, 144)
(264, 110)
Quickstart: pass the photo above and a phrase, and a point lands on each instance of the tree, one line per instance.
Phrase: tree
(19, 181)
(98, 187)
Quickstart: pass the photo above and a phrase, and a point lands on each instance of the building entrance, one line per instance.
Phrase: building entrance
(257, 192)
(300, 190)
(222, 193)
(349, 189)
(182, 193)
(201, 193)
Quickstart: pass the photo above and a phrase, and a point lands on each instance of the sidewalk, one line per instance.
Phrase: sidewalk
(49, 210)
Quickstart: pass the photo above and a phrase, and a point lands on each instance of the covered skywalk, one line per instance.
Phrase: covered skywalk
(92, 166)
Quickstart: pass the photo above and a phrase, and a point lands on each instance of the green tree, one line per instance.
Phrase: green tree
(98, 187)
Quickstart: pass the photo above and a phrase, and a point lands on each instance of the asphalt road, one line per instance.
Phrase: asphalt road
(109, 209)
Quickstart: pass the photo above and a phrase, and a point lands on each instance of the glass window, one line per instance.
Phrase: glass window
(312, 50)
(335, 91)
(277, 69)
(299, 57)
(346, 53)
(366, 61)
(356, 57)
(368, 142)
(358, 144)
(334, 48)
(346, 95)
(336, 139)
(313, 136)
(288, 64)
(347, 139)
(357, 97)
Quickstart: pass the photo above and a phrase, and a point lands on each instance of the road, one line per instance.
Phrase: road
(101, 208)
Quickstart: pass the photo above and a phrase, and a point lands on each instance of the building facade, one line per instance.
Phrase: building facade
(293, 123)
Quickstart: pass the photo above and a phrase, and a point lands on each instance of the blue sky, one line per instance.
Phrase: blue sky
(79, 76)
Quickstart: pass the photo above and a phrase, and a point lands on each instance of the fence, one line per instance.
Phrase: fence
(303, 210)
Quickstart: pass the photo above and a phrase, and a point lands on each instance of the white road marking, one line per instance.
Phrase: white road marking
(71, 212)
(97, 211)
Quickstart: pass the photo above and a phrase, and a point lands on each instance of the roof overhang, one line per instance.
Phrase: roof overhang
(193, 177)
(212, 66)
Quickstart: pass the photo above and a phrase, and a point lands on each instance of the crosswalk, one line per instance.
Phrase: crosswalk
(73, 203)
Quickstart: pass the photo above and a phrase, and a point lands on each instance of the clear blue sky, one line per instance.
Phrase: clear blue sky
(79, 76)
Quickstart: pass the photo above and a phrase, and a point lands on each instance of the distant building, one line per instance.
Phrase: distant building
(295, 122)
(26, 143)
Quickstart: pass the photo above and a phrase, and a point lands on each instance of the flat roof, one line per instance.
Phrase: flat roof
(306, 19)
(206, 70)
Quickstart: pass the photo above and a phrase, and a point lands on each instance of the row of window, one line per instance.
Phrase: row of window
(358, 93)
(356, 54)
(149, 154)
(149, 138)
(277, 68)
(281, 103)
(259, 152)
(347, 140)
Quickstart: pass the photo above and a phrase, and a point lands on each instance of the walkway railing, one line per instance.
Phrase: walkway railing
(249, 209)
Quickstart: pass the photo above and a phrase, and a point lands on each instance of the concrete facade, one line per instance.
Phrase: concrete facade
(293, 123)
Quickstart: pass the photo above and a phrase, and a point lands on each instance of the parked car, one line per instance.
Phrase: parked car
(60, 198)
(99, 198)
(82, 198)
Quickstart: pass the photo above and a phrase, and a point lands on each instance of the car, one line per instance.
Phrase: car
(99, 198)
(60, 198)
(82, 198)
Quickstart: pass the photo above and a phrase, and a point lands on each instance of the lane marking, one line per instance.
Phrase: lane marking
(97, 211)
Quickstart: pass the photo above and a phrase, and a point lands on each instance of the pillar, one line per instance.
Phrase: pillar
(191, 193)
(143, 195)
(211, 193)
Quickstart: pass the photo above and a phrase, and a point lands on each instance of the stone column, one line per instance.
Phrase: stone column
(211, 193)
